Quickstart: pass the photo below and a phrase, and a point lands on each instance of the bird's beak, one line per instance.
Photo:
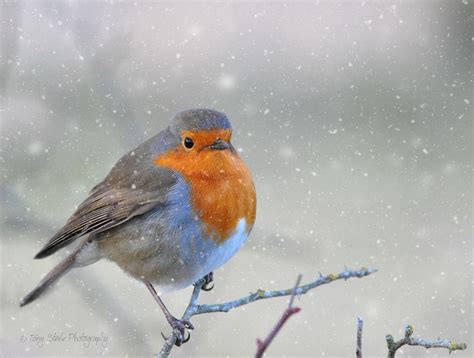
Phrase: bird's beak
(220, 145)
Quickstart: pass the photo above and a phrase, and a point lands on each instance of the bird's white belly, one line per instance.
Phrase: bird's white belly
(221, 253)
(209, 256)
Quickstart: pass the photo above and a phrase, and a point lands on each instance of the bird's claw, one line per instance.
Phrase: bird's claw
(181, 326)
(179, 342)
(208, 285)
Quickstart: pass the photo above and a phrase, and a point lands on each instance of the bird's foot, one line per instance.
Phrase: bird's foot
(180, 326)
(207, 284)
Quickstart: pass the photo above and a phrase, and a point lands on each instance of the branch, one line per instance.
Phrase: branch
(439, 343)
(360, 326)
(194, 308)
(290, 311)
(262, 294)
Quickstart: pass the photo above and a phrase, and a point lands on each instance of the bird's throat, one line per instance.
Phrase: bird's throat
(221, 187)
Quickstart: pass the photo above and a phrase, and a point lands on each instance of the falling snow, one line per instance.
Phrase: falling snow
(355, 119)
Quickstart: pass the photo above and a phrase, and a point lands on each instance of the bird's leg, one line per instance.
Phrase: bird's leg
(206, 281)
(180, 325)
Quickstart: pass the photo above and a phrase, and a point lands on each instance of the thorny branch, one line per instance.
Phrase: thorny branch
(194, 308)
(439, 343)
(262, 346)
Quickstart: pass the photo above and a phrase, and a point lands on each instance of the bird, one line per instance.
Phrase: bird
(169, 213)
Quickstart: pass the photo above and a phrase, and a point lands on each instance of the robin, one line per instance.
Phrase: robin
(169, 213)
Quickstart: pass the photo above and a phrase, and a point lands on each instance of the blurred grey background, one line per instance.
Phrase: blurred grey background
(354, 117)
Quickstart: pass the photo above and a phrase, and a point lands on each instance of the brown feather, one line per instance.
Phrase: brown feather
(133, 187)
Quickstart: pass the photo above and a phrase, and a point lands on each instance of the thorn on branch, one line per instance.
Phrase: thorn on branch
(408, 331)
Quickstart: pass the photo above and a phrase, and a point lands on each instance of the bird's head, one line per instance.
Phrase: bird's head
(198, 143)
(201, 129)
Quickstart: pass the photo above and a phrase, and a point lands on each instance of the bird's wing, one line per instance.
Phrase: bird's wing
(132, 188)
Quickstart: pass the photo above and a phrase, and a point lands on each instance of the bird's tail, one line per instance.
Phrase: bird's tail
(80, 257)
(49, 280)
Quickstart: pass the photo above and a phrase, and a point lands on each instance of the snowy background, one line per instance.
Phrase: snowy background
(355, 119)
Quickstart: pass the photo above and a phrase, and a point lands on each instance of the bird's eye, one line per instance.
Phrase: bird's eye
(188, 143)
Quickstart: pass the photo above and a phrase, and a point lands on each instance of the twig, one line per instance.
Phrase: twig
(262, 346)
(360, 326)
(262, 294)
(194, 308)
(439, 343)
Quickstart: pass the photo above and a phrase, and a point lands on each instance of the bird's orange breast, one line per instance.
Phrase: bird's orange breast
(221, 186)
